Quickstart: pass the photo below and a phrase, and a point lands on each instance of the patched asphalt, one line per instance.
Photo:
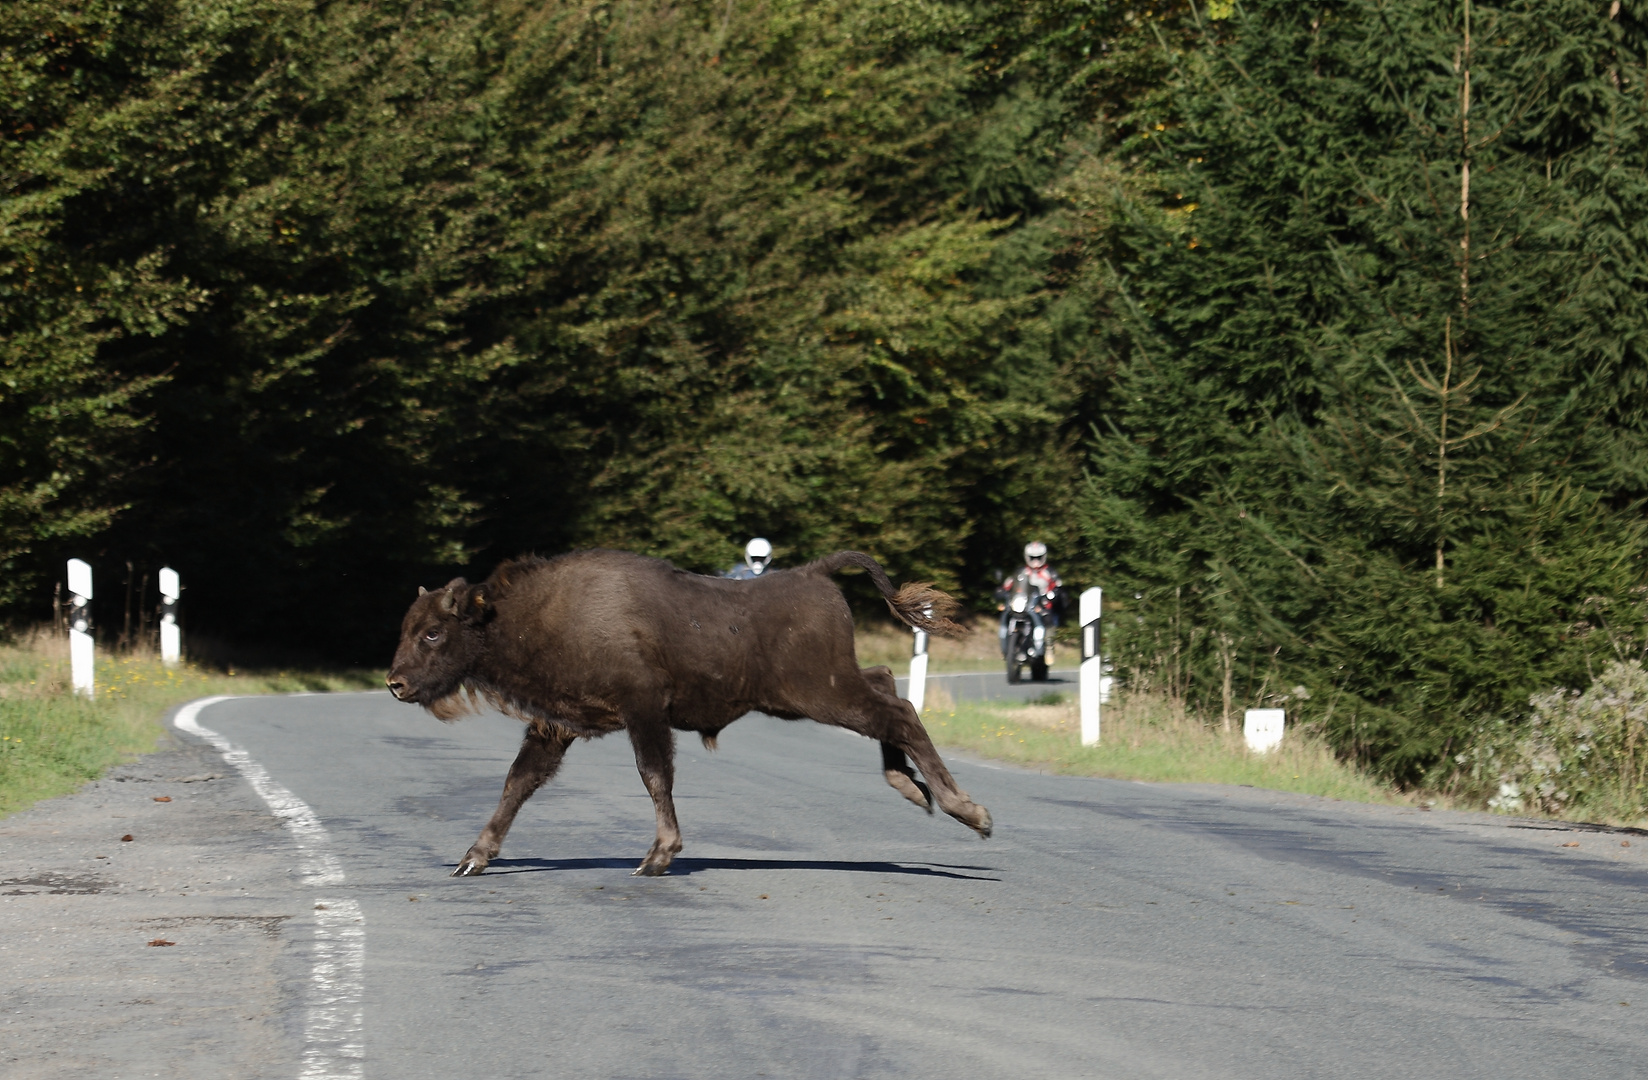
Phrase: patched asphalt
(206, 877)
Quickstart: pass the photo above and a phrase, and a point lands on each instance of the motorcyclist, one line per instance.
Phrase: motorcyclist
(1043, 583)
(757, 558)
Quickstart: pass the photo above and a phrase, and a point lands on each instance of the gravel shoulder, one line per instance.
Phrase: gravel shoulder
(207, 869)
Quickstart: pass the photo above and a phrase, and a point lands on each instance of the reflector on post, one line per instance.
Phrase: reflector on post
(82, 658)
(1092, 665)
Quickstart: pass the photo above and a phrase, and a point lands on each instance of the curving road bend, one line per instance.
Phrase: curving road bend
(817, 925)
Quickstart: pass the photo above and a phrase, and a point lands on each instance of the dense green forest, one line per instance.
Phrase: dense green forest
(1313, 332)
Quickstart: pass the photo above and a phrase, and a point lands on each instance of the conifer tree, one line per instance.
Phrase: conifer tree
(1378, 419)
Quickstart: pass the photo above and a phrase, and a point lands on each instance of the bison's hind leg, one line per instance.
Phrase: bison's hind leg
(896, 767)
(875, 709)
(654, 745)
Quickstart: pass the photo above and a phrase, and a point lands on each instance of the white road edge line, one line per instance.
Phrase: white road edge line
(333, 1044)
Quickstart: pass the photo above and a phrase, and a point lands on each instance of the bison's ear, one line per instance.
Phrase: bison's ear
(422, 590)
(475, 605)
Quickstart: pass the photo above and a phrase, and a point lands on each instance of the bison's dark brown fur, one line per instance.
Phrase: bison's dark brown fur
(596, 641)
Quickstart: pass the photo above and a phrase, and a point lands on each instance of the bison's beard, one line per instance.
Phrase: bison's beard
(455, 706)
(466, 700)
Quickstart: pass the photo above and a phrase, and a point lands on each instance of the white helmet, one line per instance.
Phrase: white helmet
(758, 553)
(1035, 553)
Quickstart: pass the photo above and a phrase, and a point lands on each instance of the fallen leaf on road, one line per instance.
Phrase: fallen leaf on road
(162, 798)
(127, 837)
(161, 941)
(1571, 843)
(1625, 843)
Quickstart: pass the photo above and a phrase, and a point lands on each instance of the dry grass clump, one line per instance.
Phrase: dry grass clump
(34, 665)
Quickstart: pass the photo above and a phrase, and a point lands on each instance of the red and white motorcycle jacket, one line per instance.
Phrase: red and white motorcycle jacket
(1038, 581)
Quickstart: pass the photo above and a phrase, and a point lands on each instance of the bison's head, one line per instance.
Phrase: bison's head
(441, 639)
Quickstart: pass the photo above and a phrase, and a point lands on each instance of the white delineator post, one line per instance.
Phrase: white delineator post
(81, 657)
(1092, 665)
(1262, 728)
(918, 672)
(171, 638)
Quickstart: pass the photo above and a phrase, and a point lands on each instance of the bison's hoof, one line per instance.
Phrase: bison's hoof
(983, 825)
(651, 869)
(469, 867)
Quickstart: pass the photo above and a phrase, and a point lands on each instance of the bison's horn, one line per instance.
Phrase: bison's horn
(422, 590)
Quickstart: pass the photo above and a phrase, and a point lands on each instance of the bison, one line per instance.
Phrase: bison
(592, 642)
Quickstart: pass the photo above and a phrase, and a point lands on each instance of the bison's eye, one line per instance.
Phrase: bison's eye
(432, 635)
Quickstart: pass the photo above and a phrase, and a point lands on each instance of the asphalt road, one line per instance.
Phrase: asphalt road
(817, 925)
(993, 685)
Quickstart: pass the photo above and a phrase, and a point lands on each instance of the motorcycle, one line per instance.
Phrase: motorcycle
(1026, 638)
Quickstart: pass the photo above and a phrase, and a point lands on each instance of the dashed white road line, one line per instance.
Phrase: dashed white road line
(334, 1024)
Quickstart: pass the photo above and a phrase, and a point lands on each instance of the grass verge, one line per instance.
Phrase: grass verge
(1145, 738)
(53, 741)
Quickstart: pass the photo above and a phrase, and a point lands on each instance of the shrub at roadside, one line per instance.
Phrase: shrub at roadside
(1580, 754)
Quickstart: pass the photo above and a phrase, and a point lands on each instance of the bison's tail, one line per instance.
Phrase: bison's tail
(915, 604)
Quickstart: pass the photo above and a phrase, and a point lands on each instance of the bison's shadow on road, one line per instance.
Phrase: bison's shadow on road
(686, 867)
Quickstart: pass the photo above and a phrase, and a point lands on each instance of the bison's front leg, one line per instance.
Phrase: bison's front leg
(655, 758)
(541, 752)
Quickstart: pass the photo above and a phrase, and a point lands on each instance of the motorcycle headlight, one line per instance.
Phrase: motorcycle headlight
(1020, 602)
